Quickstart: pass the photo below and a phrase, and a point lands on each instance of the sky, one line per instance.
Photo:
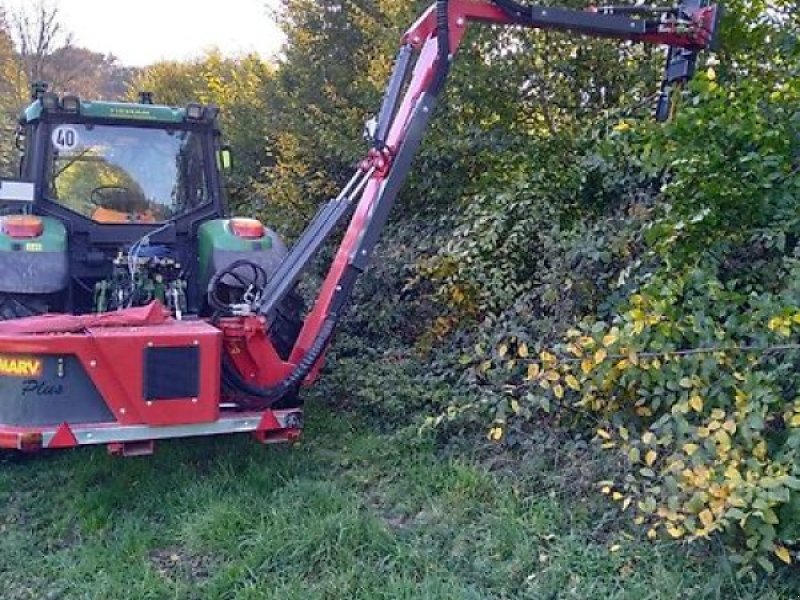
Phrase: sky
(140, 32)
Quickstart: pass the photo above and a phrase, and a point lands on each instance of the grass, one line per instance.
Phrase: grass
(348, 513)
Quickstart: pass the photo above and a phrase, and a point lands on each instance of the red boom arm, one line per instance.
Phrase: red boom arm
(406, 111)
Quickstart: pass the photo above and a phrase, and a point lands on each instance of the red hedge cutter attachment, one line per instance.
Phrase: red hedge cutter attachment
(130, 377)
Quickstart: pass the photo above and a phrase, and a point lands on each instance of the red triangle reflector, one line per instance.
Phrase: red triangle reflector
(64, 438)
(268, 422)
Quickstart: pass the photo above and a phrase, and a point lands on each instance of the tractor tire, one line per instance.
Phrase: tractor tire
(287, 323)
(283, 333)
(17, 306)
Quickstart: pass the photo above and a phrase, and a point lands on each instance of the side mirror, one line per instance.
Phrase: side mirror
(225, 159)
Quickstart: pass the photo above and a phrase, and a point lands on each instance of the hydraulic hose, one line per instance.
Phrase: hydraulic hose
(443, 38)
(514, 9)
(267, 396)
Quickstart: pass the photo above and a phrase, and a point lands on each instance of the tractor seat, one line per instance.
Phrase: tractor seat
(108, 215)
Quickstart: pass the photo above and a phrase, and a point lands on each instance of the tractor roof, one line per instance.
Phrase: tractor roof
(125, 111)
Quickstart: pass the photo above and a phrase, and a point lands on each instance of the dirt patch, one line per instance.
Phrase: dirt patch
(176, 563)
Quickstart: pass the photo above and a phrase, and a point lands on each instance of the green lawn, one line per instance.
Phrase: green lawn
(348, 513)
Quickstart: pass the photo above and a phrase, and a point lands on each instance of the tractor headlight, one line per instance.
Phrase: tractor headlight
(194, 112)
(49, 101)
(71, 104)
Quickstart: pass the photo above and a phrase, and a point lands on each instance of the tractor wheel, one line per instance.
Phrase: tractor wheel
(16, 306)
(287, 323)
(283, 333)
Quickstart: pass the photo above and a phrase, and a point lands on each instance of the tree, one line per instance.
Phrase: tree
(13, 93)
(47, 53)
(236, 86)
(506, 88)
(39, 35)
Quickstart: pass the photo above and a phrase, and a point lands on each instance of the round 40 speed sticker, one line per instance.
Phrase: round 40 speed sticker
(65, 137)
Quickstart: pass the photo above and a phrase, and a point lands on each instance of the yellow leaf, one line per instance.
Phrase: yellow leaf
(604, 434)
(733, 474)
(496, 434)
(609, 339)
(547, 358)
(651, 534)
(723, 440)
(616, 496)
(706, 518)
(522, 351)
(711, 74)
(625, 504)
(533, 370)
(615, 548)
(760, 450)
(600, 356)
(606, 489)
(795, 421)
(648, 437)
(572, 382)
(552, 376)
(696, 402)
(502, 350)
(515, 405)
(558, 391)
(783, 553)
(650, 457)
(586, 366)
(690, 449)
(622, 126)
(675, 531)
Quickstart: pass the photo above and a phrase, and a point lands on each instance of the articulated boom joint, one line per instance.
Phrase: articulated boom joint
(379, 159)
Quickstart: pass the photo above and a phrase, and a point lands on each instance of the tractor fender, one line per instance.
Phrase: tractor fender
(219, 247)
(35, 265)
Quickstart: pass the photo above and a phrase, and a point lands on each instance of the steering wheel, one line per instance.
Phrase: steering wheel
(112, 191)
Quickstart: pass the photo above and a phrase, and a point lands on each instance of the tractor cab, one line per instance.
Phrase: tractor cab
(127, 206)
(113, 163)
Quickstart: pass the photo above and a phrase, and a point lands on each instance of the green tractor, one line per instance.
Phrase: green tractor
(120, 204)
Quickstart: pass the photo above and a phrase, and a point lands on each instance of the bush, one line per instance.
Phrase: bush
(687, 360)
